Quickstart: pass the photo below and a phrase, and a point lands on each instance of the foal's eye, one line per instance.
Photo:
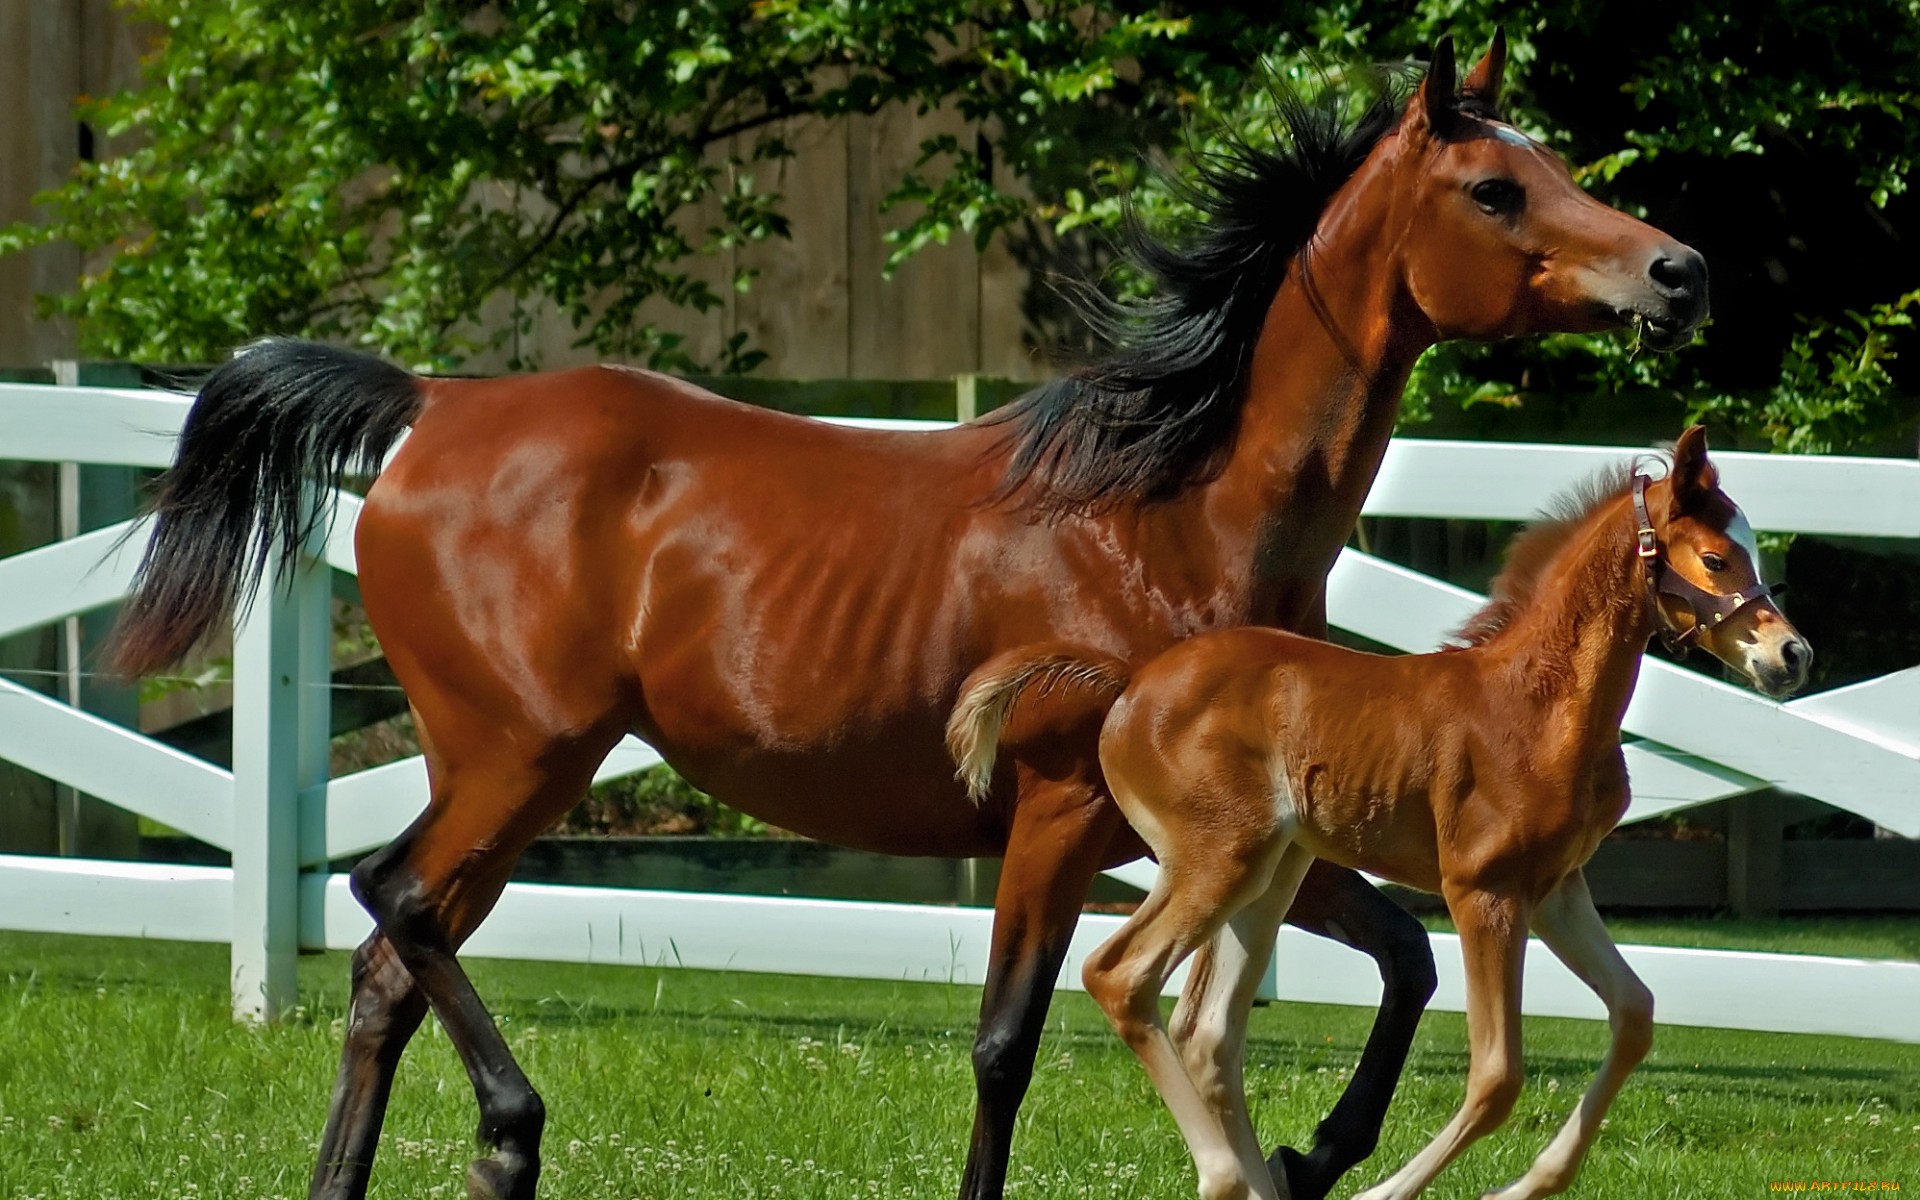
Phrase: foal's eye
(1499, 197)
(1713, 562)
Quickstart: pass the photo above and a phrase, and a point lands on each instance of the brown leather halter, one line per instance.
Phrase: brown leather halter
(1709, 609)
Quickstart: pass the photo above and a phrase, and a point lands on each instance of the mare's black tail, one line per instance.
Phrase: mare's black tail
(280, 414)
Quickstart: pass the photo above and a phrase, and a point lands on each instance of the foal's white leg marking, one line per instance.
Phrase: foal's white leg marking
(1574, 932)
(1210, 1027)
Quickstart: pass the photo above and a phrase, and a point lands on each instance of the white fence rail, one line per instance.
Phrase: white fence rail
(277, 812)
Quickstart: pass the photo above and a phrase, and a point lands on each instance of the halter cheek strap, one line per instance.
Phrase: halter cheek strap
(1709, 609)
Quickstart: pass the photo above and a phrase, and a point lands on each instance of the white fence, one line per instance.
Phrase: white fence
(1857, 748)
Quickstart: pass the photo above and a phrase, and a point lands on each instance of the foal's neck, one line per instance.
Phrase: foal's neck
(1578, 645)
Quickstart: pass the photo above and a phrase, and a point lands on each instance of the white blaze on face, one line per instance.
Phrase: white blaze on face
(1510, 135)
(1741, 534)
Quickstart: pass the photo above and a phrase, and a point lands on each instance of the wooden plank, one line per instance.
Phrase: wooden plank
(340, 818)
(116, 764)
(116, 899)
(40, 57)
(925, 321)
(1882, 709)
(1755, 834)
(1868, 497)
(109, 425)
(796, 310)
(279, 751)
(1656, 873)
(41, 586)
(854, 939)
(1008, 344)
(1858, 875)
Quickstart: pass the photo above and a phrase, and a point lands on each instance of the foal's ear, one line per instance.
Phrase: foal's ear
(1484, 82)
(1693, 475)
(1433, 104)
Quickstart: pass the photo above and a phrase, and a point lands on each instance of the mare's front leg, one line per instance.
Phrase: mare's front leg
(1572, 929)
(1337, 903)
(1493, 941)
(1059, 836)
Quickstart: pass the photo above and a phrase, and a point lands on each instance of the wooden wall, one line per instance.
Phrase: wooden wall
(820, 307)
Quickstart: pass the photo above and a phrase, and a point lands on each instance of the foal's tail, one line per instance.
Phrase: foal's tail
(278, 415)
(988, 695)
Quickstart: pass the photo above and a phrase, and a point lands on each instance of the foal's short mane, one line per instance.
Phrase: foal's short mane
(1159, 409)
(1536, 546)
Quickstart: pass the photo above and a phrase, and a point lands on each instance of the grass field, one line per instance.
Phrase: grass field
(121, 1077)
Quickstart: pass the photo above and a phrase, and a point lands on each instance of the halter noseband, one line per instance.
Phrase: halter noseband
(1709, 609)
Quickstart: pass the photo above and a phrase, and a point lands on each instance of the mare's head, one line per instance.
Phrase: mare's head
(1496, 240)
(1705, 572)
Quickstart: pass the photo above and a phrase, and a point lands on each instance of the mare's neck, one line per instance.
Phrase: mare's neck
(1323, 393)
(1578, 644)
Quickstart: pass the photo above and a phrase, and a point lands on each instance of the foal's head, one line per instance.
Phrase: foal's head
(1497, 240)
(1705, 573)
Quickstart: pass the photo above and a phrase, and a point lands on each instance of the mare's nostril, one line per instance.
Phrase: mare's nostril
(1678, 275)
(1671, 275)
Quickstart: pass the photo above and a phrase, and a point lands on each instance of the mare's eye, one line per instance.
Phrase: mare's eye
(1713, 562)
(1499, 197)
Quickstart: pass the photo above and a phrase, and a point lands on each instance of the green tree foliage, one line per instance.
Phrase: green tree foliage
(397, 173)
(406, 174)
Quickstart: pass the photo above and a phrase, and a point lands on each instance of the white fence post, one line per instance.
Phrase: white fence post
(280, 724)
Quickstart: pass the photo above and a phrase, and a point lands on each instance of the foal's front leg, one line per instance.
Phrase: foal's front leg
(1572, 929)
(1493, 940)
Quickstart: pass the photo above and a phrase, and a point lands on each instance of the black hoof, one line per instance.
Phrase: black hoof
(507, 1175)
(1305, 1178)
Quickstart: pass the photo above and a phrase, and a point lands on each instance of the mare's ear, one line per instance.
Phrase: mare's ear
(1484, 82)
(1432, 110)
(1693, 475)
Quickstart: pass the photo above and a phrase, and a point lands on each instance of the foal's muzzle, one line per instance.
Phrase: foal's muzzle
(1781, 669)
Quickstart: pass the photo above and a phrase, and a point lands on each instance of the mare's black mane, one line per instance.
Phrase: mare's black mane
(1159, 409)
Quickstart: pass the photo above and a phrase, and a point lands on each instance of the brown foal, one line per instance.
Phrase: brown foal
(786, 609)
(1486, 773)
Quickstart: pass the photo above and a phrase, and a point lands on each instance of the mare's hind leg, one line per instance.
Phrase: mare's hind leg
(494, 789)
(1053, 852)
(1334, 902)
(1210, 1022)
(1572, 929)
(385, 1011)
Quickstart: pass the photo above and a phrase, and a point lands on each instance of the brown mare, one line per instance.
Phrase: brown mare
(786, 609)
(1485, 773)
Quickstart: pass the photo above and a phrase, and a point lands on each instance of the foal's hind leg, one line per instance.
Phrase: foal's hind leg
(1126, 975)
(1053, 852)
(1337, 903)
(1210, 1023)
(494, 790)
(1572, 929)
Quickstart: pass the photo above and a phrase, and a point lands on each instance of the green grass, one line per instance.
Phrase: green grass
(1844, 937)
(121, 1077)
